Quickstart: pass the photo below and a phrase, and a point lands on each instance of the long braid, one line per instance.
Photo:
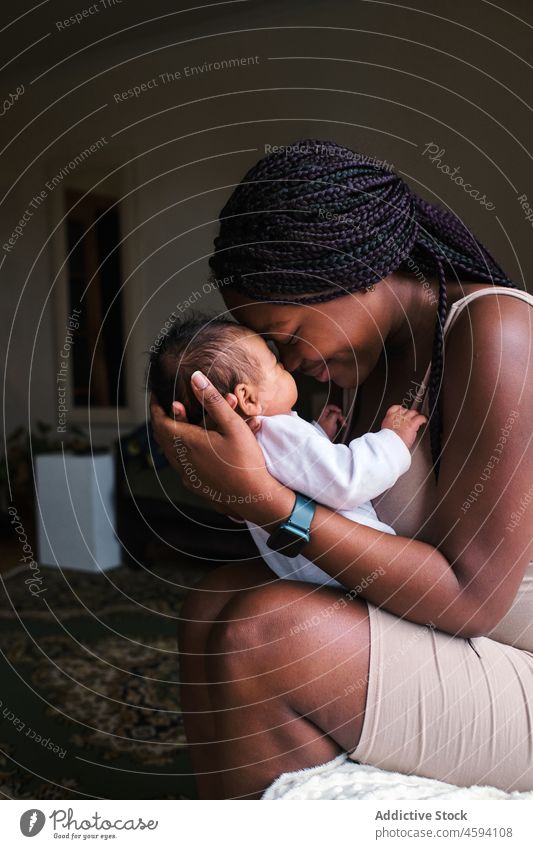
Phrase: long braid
(437, 368)
(317, 221)
(443, 238)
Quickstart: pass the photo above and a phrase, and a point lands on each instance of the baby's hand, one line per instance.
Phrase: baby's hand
(403, 422)
(331, 420)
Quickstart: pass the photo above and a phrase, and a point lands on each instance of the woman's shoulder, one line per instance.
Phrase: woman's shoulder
(487, 317)
(488, 357)
(466, 297)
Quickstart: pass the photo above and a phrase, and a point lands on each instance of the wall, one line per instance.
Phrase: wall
(379, 77)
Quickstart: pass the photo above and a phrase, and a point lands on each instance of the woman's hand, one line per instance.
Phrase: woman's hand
(224, 464)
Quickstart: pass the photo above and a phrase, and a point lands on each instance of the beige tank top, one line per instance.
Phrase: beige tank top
(407, 504)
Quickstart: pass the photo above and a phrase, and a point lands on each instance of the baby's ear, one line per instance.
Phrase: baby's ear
(247, 399)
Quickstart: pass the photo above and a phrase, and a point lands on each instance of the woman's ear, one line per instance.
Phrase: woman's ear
(248, 399)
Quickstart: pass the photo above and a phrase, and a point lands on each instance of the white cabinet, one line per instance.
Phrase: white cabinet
(76, 512)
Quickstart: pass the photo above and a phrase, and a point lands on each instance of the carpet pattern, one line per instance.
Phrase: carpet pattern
(89, 705)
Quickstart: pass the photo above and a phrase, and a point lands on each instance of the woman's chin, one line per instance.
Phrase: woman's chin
(343, 378)
(324, 376)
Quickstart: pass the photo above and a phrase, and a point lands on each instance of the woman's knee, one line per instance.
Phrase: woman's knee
(250, 621)
(276, 624)
(305, 646)
(213, 592)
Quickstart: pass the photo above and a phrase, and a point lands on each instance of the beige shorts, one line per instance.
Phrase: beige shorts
(445, 707)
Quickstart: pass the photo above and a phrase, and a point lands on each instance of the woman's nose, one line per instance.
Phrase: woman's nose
(290, 359)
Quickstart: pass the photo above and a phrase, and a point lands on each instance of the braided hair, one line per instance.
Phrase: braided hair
(315, 221)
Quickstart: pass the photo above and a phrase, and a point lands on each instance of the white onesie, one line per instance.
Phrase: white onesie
(301, 456)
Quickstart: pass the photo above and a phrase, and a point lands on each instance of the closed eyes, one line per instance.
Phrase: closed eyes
(286, 339)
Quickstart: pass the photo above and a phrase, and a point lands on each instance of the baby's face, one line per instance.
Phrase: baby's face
(276, 392)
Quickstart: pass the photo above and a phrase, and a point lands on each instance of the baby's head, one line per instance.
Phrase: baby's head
(234, 358)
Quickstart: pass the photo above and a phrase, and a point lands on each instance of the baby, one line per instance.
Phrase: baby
(299, 454)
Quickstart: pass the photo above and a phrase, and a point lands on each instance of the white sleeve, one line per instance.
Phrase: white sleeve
(339, 476)
(320, 429)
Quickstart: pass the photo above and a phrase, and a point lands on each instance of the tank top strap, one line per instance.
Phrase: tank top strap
(456, 308)
(454, 313)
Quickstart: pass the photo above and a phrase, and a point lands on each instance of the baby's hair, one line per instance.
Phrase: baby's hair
(211, 345)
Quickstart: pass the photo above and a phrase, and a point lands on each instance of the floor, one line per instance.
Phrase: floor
(94, 673)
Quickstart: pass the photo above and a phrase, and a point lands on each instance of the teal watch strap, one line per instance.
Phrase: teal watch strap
(291, 536)
(302, 514)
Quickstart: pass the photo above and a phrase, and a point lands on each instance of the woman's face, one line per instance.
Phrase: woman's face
(340, 340)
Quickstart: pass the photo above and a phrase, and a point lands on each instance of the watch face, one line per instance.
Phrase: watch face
(288, 541)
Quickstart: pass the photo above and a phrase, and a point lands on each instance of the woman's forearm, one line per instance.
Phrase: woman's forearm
(414, 581)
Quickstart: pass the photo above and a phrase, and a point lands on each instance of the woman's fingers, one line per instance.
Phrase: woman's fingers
(166, 428)
(155, 406)
(232, 400)
(254, 424)
(210, 424)
(220, 463)
(179, 411)
(215, 406)
(157, 414)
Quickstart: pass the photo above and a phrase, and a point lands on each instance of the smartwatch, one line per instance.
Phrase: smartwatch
(291, 536)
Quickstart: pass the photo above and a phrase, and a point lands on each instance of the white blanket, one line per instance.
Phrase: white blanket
(341, 778)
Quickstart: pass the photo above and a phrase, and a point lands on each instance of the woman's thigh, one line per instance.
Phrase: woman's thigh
(446, 707)
(299, 643)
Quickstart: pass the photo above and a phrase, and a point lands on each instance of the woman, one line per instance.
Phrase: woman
(425, 665)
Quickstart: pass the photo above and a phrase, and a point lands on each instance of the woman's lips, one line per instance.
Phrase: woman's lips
(320, 372)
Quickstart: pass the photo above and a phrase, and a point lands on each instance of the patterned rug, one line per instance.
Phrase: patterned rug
(89, 703)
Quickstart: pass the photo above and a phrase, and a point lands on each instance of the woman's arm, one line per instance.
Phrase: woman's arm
(467, 575)
(341, 547)
(416, 580)
(464, 578)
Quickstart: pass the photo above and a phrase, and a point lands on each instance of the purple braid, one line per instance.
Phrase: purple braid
(316, 221)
